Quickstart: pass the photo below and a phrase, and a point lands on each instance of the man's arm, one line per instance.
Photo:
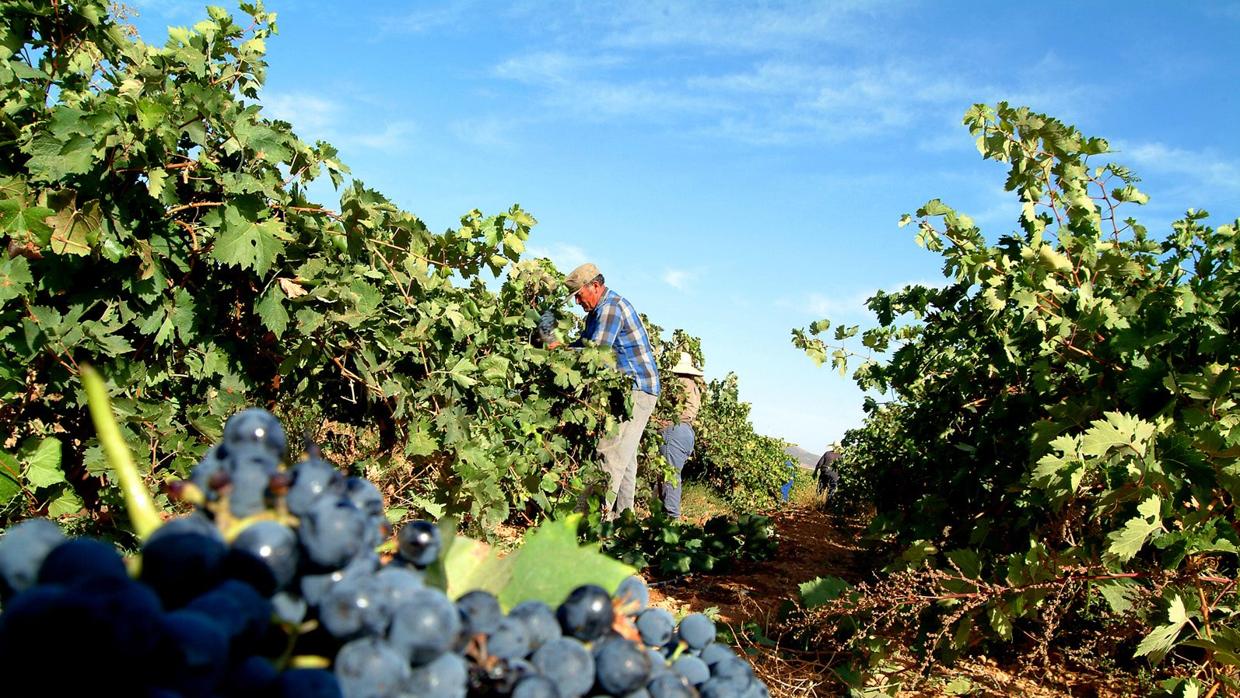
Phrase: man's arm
(607, 327)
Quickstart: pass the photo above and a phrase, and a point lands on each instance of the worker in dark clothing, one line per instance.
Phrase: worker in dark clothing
(825, 473)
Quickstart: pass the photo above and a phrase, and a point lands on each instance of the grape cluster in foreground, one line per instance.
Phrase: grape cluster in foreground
(273, 587)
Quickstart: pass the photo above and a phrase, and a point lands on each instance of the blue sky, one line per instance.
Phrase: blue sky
(738, 169)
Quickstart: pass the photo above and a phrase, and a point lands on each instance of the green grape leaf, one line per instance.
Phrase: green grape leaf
(1000, 621)
(548, 565)
(18, 220)
(472, 564)
(1161, 639)
(1128, 541)
(551, 563)
(75, 229)
(66, 502)
(1118, 593)
(10, 478)
(14, 278)
(53, 159)
(1117, 431)
(43, 466)
(247, 243)
(820, 590)
(270, 310)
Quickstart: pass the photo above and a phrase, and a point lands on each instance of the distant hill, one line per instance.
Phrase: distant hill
(803, 457)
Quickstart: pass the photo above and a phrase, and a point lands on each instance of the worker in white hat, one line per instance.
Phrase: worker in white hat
(611, 321)
(678, 436)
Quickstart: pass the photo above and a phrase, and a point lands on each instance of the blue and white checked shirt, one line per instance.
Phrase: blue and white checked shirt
(614, 323)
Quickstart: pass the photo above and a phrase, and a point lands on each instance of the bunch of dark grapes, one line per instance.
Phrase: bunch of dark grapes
(273, 587)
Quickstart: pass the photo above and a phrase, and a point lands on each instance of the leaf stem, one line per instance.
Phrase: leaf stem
(138, 501)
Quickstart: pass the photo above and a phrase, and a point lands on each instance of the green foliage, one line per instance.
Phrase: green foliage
(667, 547)
(747, 468)
(1064, 406)
(156, 224)
(547, 565)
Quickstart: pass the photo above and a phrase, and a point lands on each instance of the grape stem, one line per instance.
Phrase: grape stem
(138, 501)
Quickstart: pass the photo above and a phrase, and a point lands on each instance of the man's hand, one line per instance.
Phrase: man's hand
(546, 329)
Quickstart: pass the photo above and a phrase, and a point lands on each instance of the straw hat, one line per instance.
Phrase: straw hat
(685, 366)
(581, 276)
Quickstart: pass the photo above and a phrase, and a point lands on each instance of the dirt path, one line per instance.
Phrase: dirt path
(811, 544)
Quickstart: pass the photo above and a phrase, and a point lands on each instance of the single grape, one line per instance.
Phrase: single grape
(193, 653)
(307, 683)
(289, 608)
(258, 427)
(314, 587)
(656, 626)
(715, 652)
(372, 668)
(587, 613)
(536, 686)
(480, 612)
(274, 545)
(692, 668)
(247, 493)
(341, 612)
(79, 560)
(621, 667)
(195, 522)
(425, 626)
(310, 479)
(670, 685)
(733, 667)
(180, 566)
(697, 630)
(509, 640)
(633, 595)
(445, 677)
(539, 620)
(22, 551)
(721, 687)
(332, 531)
(568, 663)
(204, 473)
(419, 542)
(365, 496)
(658, 663)
(241, 612)
(392, 587)
(251, 677)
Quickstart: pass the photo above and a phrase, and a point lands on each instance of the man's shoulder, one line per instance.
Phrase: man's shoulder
(619, 301)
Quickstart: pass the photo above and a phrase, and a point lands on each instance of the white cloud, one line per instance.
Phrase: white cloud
(173, 10)
(393, 136)
(486, 132)
(554, 67)
(1204, 167)
(850, 306)
(565, 257)
(679, 278)
(427, 17)
(315, 117)
(776, 99)
(819, 305)
(782, 25)
(306, 112)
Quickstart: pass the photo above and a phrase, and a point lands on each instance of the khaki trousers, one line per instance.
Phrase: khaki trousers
(619, 453)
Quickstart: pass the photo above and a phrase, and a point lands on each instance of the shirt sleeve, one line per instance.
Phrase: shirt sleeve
(607, 328)
(693, 400)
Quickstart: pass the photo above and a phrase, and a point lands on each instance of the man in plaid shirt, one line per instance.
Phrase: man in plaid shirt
(612, 321)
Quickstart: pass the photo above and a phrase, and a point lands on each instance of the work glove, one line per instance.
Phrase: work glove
(546, 327)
